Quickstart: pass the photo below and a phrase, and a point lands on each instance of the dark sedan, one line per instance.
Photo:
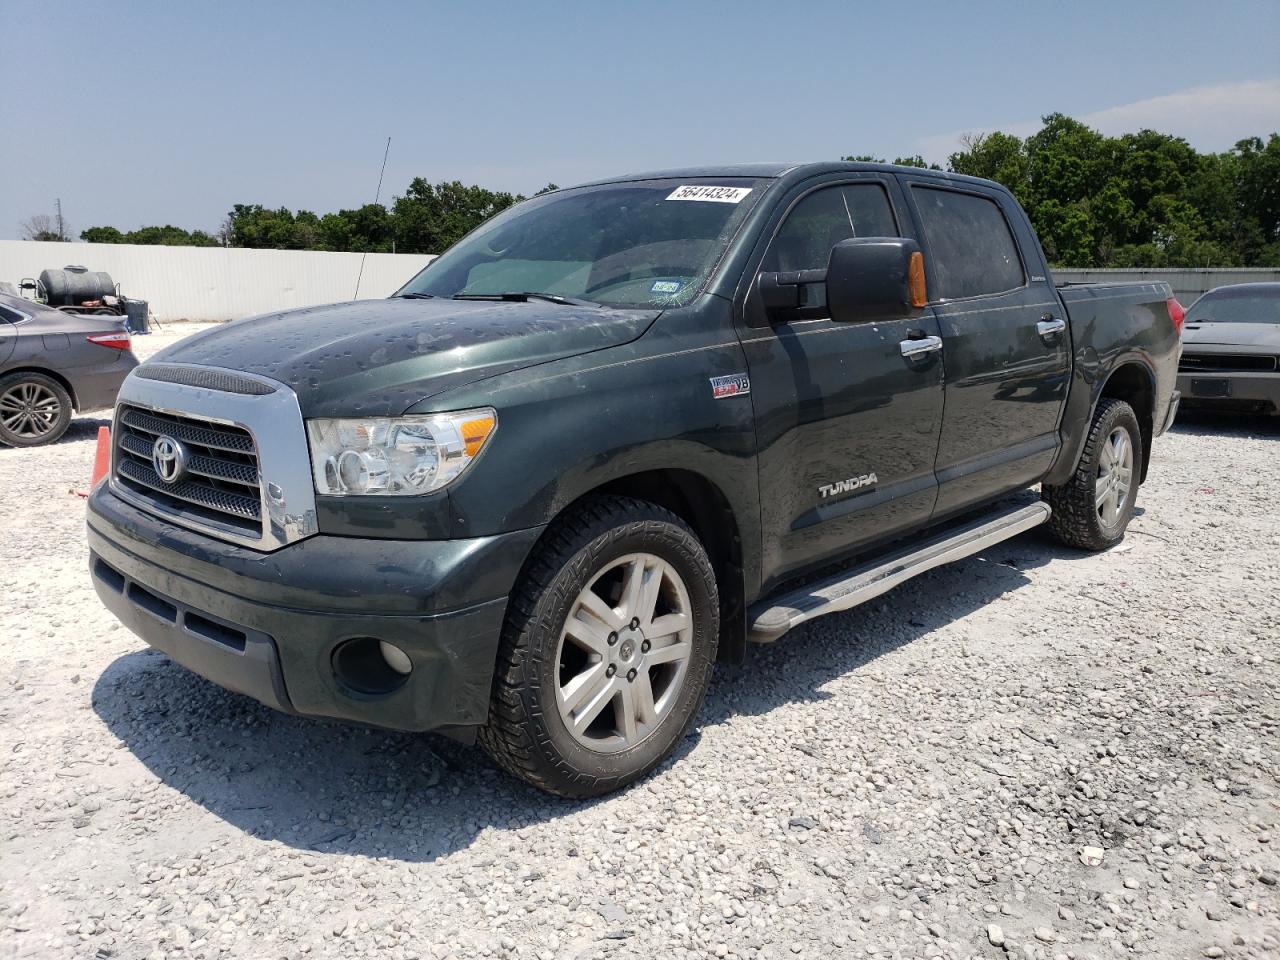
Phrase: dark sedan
(53, 364)
(1231, 350)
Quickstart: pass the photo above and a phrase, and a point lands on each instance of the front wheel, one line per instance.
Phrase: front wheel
(1092, 510)
(607, 650)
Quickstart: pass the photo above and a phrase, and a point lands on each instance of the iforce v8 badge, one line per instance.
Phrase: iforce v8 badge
(734, 385)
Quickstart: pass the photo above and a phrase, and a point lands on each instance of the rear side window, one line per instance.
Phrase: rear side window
(824, 218)
(970, 244)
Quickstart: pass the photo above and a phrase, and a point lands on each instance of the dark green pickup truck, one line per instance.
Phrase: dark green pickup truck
(611, 437)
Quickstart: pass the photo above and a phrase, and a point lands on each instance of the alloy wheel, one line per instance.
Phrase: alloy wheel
(1115, 476)
(29, 410)
(624, 652)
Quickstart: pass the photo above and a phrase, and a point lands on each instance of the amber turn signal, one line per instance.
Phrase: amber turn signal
(476, 432)
(915, 280)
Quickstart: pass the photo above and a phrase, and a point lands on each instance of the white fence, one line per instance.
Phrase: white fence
(217, 283)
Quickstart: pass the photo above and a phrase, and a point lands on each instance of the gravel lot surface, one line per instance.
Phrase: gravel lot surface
(1032, 753)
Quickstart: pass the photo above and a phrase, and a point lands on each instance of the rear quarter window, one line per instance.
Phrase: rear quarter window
(970, 244)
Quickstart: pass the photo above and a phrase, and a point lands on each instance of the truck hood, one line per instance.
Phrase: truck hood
(380, 357)
(1261, 335)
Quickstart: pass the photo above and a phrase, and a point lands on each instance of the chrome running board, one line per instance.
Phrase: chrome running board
(771, 618)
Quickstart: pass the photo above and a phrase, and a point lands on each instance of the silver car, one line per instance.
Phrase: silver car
(54, 364)
(1231, 350)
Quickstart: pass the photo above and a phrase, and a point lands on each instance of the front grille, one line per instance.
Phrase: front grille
(221, 486)
(1226, 363)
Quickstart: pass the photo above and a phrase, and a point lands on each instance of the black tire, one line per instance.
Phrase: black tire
(15, 428)
(1077, 519)
(526, 734)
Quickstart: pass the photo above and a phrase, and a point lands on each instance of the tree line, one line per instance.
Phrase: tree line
(426, 219)
(1142, 199)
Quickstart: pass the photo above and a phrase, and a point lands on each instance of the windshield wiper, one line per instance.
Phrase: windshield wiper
(413, 296)
(526, 296)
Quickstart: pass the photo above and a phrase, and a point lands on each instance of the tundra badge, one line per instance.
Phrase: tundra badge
(846, 486)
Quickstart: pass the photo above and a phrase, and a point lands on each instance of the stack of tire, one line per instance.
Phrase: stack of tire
(74, 286)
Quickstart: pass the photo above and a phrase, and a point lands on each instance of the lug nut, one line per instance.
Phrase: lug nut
(635, 623)
(610, 670)
(644, 647)
(631, 674)
(613, 638)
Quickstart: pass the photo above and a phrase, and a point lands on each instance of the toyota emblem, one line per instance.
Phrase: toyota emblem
(169, 459)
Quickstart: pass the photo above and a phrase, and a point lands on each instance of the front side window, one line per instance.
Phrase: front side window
(824, 218)
(970, 245)
(642, 244)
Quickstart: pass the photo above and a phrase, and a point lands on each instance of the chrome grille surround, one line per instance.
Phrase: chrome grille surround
(263, 505)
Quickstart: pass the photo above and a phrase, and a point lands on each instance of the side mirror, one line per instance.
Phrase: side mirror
(875, 278)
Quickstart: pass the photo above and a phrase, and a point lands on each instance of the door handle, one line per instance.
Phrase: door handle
(914, 348)
(1050, 325)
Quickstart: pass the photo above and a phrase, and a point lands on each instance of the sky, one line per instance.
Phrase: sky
(153, 112)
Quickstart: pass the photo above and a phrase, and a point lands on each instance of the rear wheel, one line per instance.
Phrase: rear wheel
(1093, 509)
(607, 651)
(34, 409)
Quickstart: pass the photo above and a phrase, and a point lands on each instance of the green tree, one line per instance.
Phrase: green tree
(1141, 199)
(996, 156)
(429, 218)
(167, 235)
(252, 225)
(102, 235)
(368, 229)
(915, 161)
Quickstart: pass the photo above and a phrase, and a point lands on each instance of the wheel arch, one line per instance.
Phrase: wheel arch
(701, 504)
(1133, 383)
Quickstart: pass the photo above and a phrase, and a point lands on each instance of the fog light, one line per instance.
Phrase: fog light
(396, 658)
(370, 667)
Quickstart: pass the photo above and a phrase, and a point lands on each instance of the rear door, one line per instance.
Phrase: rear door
(846, 426)
(1005, 340)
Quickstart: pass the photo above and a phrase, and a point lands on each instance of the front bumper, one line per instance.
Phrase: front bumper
(268, 624)
(1246, 391)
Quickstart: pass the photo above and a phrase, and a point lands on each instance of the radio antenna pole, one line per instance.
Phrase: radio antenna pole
(376, 196)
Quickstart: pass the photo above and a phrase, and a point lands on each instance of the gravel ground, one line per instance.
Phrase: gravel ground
(1032, 753)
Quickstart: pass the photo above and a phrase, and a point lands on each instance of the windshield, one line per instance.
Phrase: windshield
(643, 244)
(1236, 307)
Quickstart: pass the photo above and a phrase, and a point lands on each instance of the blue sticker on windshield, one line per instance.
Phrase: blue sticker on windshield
(666, 286)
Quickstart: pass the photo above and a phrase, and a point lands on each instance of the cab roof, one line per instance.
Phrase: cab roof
(788, 171)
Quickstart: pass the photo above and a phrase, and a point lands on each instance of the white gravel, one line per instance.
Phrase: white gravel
(1034, 753)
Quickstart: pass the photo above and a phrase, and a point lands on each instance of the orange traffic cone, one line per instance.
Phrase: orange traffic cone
(101, 460)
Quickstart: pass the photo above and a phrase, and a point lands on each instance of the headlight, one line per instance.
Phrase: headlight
(396, 456)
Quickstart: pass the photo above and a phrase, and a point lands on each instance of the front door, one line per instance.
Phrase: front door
(846, 425)
(1005, 341)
